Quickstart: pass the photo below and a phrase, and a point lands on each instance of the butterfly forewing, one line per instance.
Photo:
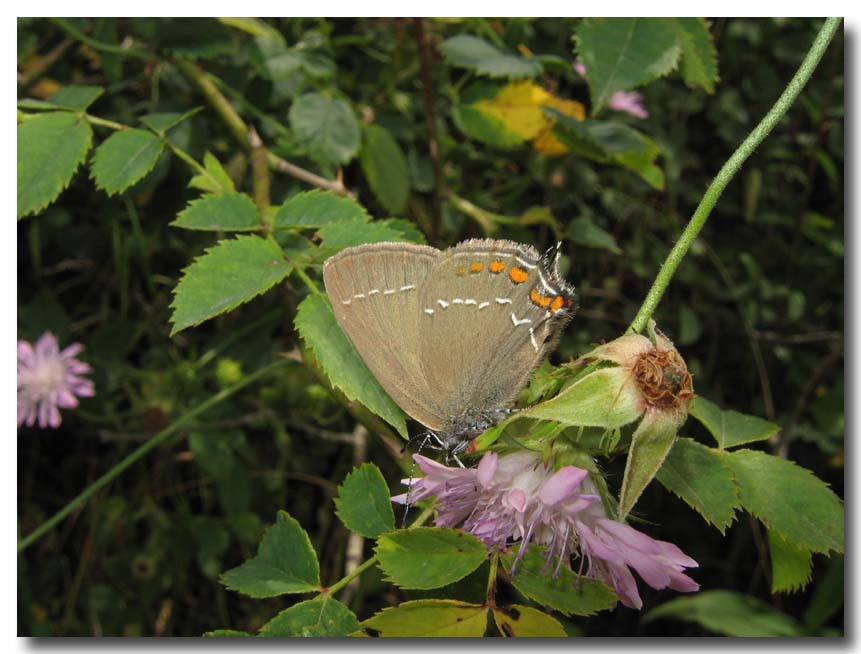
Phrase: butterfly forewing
(375, 296)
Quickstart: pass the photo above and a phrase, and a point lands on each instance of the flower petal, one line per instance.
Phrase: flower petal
(561, 485)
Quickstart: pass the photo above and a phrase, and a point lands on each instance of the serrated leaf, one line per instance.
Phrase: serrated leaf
(702, 478)
(731, 428)
(429, 618)
(428, 557)
(227, 633)
(326, 127)
(604, 398)
(163, 122)
(623, 53)
(215, 179)
(231, 212)
(232, 272)
(76, 98)
(51, 146)
(342, 235)
(124, 158)
(317, 208)
(568, 593)
(789, 499)
(343, 366)
(699, 59)
(518, 621)
(321, 617)
(584, 231)
(285, 563)
(385, 167)
(364, 503)
(484, 58)
(651, 442)
(790, 564)
(728, 613)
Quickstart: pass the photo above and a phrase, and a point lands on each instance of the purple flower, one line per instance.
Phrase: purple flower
(631, 102)
(48, 379)
(517, 497)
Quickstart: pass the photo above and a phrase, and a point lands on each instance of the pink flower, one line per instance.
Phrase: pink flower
(631, 102)
(48, 379)
(517, 497)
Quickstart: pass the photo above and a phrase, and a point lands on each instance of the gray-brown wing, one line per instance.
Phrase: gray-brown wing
(374, 291)
(489, 313)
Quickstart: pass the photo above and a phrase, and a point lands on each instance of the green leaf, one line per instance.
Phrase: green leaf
(428, 557)
(215, 179)
(385, 166)
(232, 272)
(326, 127)
(232, 212)
(699, 59)
(568, 593)
(477, 54)
(650, 443)
(584, 231)
(124, 158)
(623, 53)
(429, 618)
(790, 564)
(285, 563)
(163, 122)
(51, 146)
(342, 235)
(702, 478)
(518, 621)
(317, 208)
(321, 617)
(364, 504)
(731, 428)
(76, 98)
(604, 398)
(728, 613)
(789, 499)
(343, 366)
(227, 633)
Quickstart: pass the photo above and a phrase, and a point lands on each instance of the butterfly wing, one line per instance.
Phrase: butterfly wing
(490, 311)
(374, 291)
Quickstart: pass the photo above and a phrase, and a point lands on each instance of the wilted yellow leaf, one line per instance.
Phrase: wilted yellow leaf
(546, 142)
(518, 107)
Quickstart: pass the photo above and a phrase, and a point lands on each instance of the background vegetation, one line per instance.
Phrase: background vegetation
(756, 308)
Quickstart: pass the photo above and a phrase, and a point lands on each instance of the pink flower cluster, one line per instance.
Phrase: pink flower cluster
(517, 497)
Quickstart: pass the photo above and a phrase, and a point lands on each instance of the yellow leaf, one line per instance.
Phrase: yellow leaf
(518, 107)
(546, 142)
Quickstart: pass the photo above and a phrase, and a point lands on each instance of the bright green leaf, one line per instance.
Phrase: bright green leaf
(789, 499)
(233, 212)
(790, 564)
(51, 146)
(728, 613)
(484, 58)
(215, 179)
(162, 122)
(317, 208)
(343, 366)
(518, 621)
(623, 53)
(124, 158)
(731, 428)
(232, 272)
(285, 563)
(650, 443)
(342, 235)
(703, 479)
(76, 98)
(321, 617)
(364, 504)
(699, 59)
(385, 167)
(584, 231)
(568, 593)
(326, 127)
(428, 557)
(429, 618)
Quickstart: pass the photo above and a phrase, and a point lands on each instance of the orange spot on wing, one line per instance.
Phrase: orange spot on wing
(557, 304)
(476, 267)
(539, 300)
(518, 275)
(496, 267)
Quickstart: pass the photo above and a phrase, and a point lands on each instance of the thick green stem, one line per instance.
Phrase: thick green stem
(156, 440)
(730, 168)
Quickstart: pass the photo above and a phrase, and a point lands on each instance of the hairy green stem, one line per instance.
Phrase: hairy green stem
(730, 168)
(156, 440)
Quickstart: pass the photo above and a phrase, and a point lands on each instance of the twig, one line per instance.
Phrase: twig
(260, 179)
(26, 80)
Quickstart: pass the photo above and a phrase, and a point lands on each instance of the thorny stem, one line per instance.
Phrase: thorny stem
(153, 442)
(729, 169)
